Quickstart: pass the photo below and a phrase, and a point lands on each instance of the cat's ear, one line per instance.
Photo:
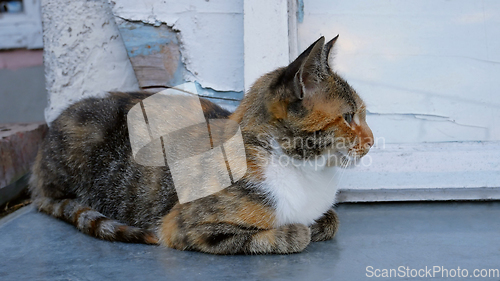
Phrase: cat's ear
(327, 50)
(305, 71)
(311, 72)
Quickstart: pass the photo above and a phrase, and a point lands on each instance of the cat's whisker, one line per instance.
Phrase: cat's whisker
(343, 161)
(348, 160)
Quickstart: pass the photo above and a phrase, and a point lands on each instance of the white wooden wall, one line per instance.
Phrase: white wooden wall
(428, 74)
(428, 69)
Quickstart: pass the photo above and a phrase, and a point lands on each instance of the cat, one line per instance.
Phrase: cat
(84, 172)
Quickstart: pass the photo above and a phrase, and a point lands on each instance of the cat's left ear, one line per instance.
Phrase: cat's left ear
(327, 50)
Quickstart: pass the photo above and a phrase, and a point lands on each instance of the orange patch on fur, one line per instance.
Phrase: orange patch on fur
(335, 123)
(77, 213)
(265, 237)
(278, 109)
(169, 228)
(256, 215)
(317, 120)
(324, 114)
(365, 138)
(255, 160)
(254, 171)
(151, 239)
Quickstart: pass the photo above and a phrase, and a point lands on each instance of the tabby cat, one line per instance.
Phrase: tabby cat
(85, 174)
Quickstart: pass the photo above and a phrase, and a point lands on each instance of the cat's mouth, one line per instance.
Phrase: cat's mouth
(343, 159)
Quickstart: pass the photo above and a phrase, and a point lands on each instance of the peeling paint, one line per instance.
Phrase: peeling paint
(144, 39)
(227, 99)
(210, 36)
(154, 52)
(151, 49)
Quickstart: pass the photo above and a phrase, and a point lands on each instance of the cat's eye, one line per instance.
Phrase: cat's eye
(348, 117)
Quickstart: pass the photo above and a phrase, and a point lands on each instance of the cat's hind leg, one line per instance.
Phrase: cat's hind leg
(229, 234)
(227, 238)
(92, 222)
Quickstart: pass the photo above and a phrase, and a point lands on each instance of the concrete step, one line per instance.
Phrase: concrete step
(18, 147)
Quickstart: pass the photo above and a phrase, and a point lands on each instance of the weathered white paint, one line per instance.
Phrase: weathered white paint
(293, 43)
(22, 30)
(419, 194)
(265, 51)
(83, 53)
(407, 171)
(211, 34)
(428, 70)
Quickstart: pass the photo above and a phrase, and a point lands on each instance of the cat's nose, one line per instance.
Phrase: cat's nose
(369, 142)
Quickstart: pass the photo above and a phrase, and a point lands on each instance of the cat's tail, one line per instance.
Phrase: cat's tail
(92, 222)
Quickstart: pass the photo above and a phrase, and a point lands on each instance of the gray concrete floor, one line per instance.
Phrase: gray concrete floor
(34, 246)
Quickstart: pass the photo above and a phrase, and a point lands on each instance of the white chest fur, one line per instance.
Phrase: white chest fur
(301, 192)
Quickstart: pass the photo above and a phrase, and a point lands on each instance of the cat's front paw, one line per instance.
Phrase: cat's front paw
(325, 227)
(297, 237)
(287, 239)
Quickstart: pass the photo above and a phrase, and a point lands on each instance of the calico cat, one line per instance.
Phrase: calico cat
(305, 113)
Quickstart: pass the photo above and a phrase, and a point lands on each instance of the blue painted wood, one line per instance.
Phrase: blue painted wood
(154, 52)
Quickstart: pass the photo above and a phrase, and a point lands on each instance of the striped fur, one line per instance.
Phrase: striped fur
(85, 174)
(94, 223)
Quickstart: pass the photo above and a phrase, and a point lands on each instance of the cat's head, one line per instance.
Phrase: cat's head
(307, 110)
